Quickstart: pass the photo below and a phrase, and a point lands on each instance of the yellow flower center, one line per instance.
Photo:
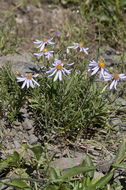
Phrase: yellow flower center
(63, 63)
(59, 67)
(45, 50)
(81, 44)
(101, 64)
(17, 73)
(44, 40)
(115, 76)
(29, 76)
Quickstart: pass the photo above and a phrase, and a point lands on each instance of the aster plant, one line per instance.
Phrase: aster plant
(58, 69)
(43, 43)
(57, 61)
(96, 66)
(28, 80)
(78, 46)
(115, 78)
(45, 52)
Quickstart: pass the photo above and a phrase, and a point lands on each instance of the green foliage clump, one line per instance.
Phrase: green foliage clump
(109, 18)
(88, 181)
(9, 40)
(74, 105)
(11, 95)
(81, 177)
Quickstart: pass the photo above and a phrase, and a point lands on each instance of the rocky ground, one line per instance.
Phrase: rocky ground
(13, 136)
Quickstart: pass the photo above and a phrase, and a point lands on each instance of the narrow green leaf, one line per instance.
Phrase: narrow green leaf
(104, 180)
(90, 163)
(4, 165)
(19, 183)
(121, 153)
(76, 171)
(53, 174)
(88, 182)
(51, 187)
(122, 3)
(25, 145)
(123, 166)
(16, 156)
(69, 83)
(94, 181)
(91, 187)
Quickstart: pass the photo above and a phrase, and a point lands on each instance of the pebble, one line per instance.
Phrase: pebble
(93, 152)
(17, 144)
(3, 187)
(27, 124)
(7, 132)
(124, 124)
(16, 123)
(64, 163)
(118, 53)
(98, 174)
(23, 110)
(123, 128)
(120, 101)
(25, 136)
(115, 122)
(31, 132)
(118, 128)
(108, 52)
(32, 139)
(111, 56)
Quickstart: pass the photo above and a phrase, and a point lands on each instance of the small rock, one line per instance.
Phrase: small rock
(118, 128)
(93, 153)
(30, 131)
(3, 187)
(124, 123)
(19, 20)
(32, 139)
(20, 134)
(23, 110)
(2, 123)
(118, 53)
(17, 144)
(25, 136)
(16, 123)
(64, 163)
(13, 132)
(123, 128)
(35, 21)
(98, 174)
(7, 131)
(30, 153)
(27, 124)
(108, 52)
(111, 56)
(104, 166)
(18, 128)
(120, 101)
(20, 62)
(30, 113)
(115, 122)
